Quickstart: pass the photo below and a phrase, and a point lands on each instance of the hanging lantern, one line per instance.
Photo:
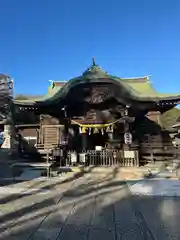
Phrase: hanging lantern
(127, 138)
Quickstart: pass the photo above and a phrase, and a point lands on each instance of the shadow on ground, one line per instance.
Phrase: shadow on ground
(37, 189)
(89, 206)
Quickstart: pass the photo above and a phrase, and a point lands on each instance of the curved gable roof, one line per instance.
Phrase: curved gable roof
(139, 89)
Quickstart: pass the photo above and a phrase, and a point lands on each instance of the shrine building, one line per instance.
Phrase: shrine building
(100, 112)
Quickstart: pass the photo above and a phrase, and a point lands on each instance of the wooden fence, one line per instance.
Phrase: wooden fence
(98, 158)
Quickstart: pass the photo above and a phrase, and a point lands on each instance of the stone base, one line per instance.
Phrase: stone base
(7, 143)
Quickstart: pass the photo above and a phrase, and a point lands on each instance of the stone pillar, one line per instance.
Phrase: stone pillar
(10, 142)
(9, 139)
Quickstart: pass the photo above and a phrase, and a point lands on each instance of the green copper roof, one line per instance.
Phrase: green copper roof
(94, 72)
(145, 89)
(139, 89)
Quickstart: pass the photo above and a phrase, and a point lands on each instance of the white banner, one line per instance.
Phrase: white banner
(129, 154)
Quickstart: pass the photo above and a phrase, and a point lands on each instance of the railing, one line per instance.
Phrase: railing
(99, 158)
(151, 152)
(163, 148)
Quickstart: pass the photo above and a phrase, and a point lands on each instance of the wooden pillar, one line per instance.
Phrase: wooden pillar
(41, 130)
(126, 132)
(84, 139)
(110, 132)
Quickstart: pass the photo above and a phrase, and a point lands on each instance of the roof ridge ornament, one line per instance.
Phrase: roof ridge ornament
(93, 61)
(94, 71)
(149, 77)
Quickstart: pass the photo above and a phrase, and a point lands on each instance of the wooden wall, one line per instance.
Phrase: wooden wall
(28, 132)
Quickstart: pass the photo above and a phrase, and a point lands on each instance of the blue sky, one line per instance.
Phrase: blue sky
(55, 39)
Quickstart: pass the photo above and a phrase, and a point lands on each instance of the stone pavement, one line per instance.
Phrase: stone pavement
(159, 201)
(85, 206)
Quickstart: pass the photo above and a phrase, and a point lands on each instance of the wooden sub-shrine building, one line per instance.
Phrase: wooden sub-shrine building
(98, 112)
